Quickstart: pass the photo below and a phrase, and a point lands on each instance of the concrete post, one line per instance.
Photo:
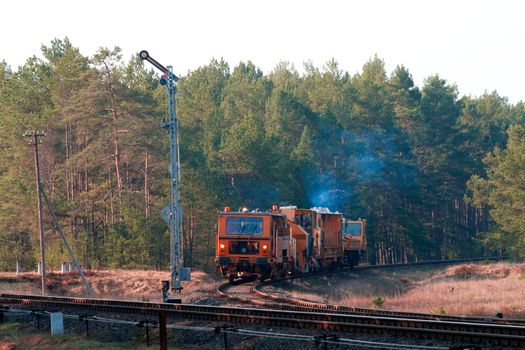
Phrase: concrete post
(57, 323)
(17, 268)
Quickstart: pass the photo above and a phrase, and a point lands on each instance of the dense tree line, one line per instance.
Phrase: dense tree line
(435, 174)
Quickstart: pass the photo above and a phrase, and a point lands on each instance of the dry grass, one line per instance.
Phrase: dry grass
(123, 284)
(469, 289)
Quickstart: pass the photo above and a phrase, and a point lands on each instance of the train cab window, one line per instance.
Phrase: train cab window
(305, 221)
(238, 225)
(243, 247)
(352, 229)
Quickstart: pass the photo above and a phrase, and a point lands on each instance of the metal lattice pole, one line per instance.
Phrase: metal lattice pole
(176, 215)
(174, 210)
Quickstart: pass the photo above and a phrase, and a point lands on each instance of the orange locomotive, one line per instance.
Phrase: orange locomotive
(253, 244)
(283, 241)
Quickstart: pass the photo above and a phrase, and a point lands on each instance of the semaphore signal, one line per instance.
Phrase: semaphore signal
(172, 213)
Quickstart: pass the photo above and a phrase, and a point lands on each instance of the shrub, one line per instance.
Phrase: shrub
(440, 311)
(378, 301)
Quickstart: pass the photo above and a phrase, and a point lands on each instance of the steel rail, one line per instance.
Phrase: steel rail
(318, 340)
(292, 304)
(494, 334)
(298, 304)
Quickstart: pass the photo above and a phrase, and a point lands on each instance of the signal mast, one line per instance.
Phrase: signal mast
(172, 213)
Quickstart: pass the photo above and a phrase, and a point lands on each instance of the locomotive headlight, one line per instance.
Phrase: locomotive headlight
(222, 247)
(265, 247)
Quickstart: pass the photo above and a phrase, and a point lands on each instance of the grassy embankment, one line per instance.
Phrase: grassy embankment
(119, 284)
(139, 285)
(467, 289)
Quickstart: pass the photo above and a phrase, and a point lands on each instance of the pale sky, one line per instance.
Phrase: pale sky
(477, 45)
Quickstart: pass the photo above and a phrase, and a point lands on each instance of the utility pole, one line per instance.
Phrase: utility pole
(172, 213)
(35, 141)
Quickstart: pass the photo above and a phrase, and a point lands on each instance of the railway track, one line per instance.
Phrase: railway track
(252, 293)
(276, 311)
(475, 332)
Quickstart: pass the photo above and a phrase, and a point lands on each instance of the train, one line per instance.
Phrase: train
(286, 240)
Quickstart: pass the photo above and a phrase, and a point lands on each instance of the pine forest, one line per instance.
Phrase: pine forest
(435, 174)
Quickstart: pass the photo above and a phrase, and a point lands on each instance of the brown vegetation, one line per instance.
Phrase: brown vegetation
(123, 284)
(469, 289)
(6, 346)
